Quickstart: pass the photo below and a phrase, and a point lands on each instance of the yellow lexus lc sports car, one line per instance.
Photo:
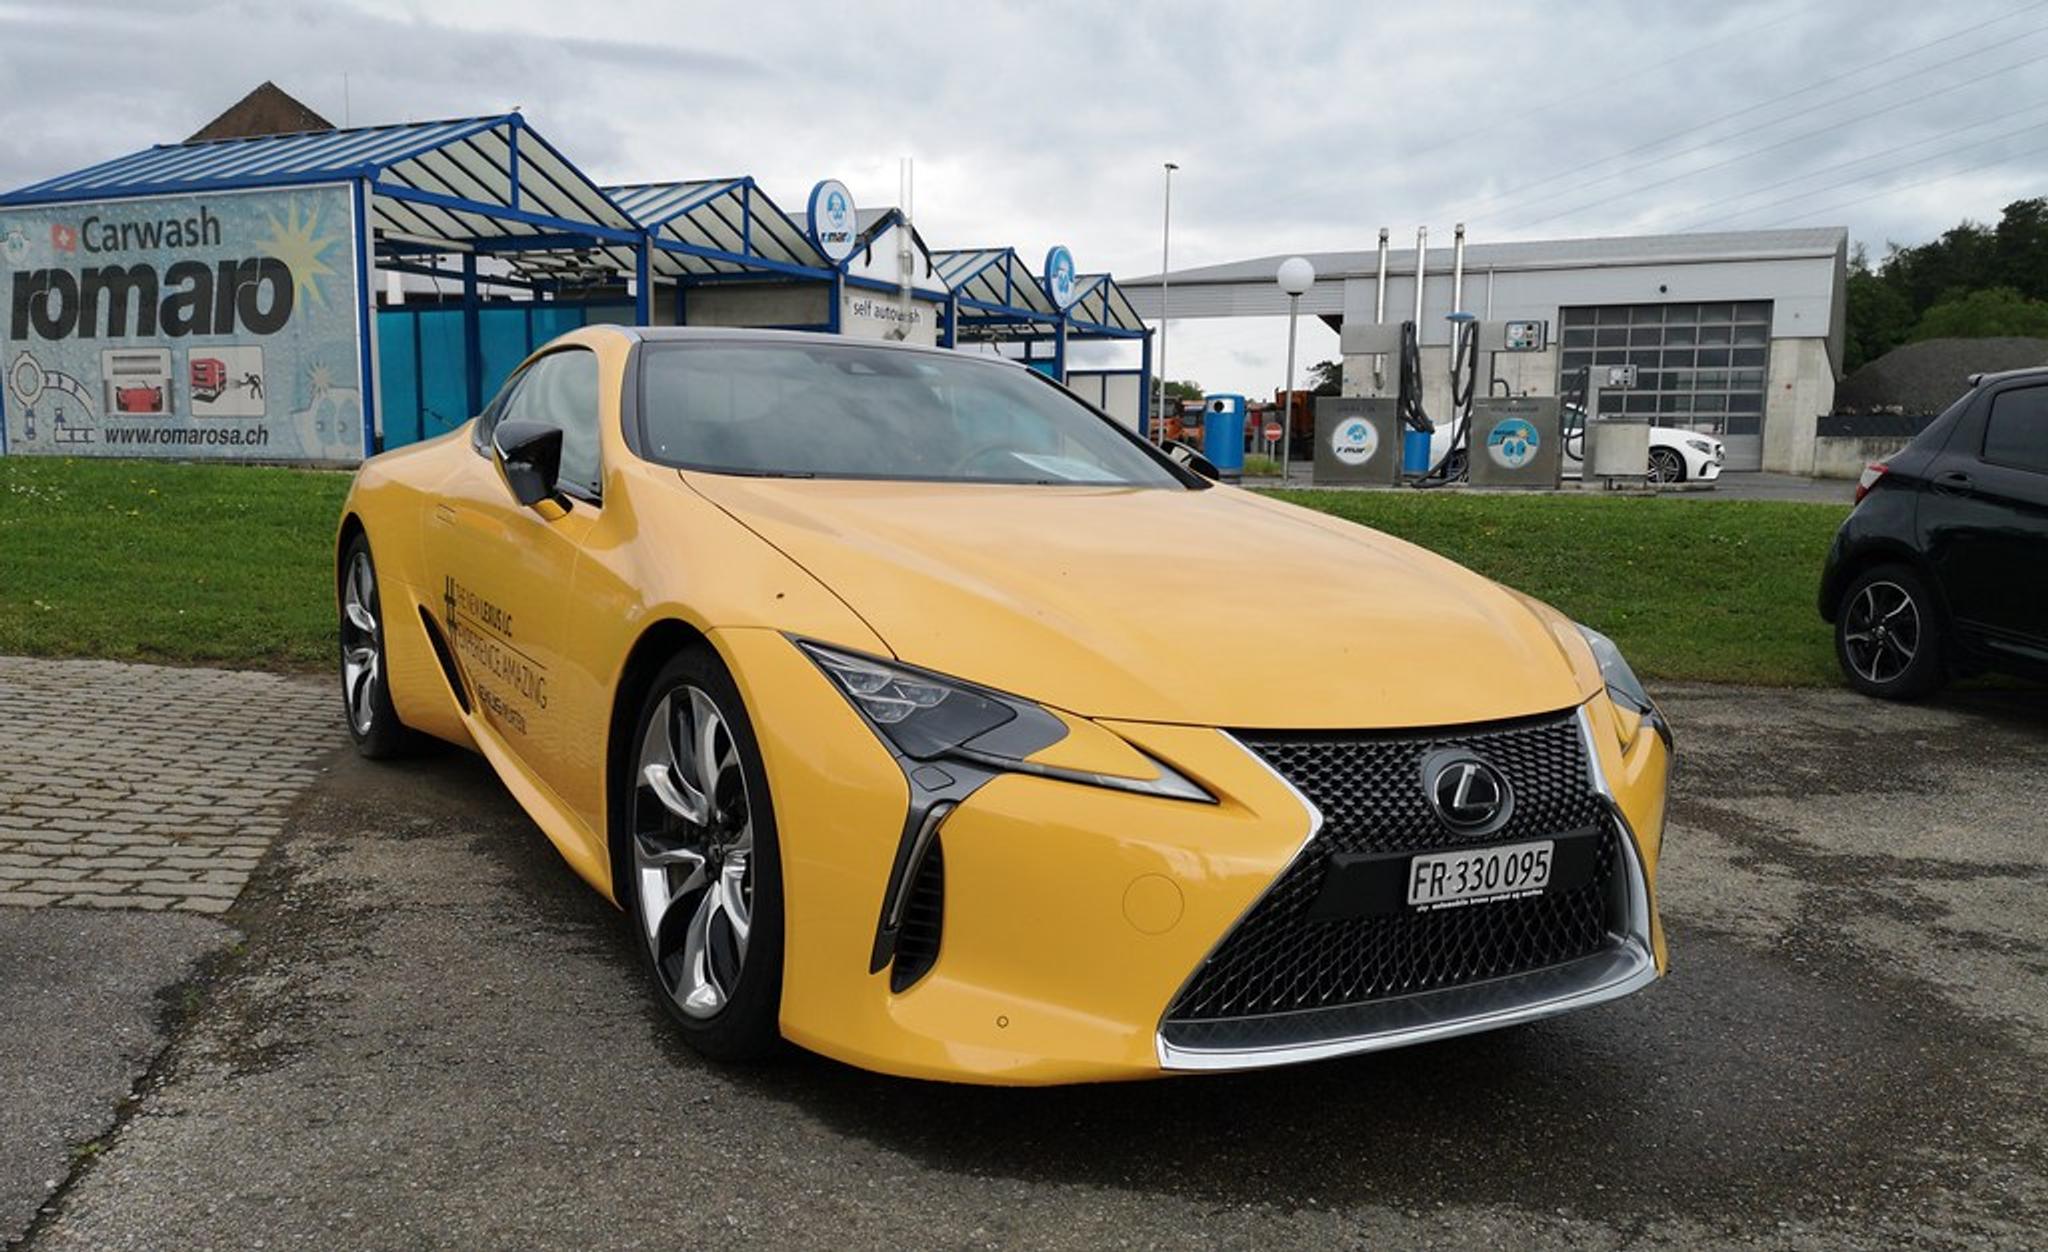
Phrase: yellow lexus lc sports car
(920, 714)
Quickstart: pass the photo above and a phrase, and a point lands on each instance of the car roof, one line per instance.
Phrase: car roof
(742, 334)
(2030, 371)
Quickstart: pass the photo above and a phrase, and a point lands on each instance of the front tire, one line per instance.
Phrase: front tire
(365, 668)
(1888, 634)
(701, 873)
(1666, 466)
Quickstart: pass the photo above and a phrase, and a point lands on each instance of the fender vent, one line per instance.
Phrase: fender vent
(446, 658)
(924, 917)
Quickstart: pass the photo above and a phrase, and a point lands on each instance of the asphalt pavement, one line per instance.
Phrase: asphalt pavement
(435, 1036)
(91, 1000)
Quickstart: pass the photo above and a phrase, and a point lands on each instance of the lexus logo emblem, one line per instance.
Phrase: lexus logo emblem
(1469, 796)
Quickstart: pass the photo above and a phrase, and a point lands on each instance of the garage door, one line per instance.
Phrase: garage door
(1703, 366)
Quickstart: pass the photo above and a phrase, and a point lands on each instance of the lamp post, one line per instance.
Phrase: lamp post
(1296, 277)
(1165, 245)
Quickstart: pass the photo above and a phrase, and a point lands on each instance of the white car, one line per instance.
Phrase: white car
(1677, 455)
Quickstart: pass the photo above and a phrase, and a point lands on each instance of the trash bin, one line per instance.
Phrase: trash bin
(1415, 451)
(1223, 434)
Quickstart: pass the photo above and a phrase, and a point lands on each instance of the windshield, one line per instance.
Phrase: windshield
(845, 410)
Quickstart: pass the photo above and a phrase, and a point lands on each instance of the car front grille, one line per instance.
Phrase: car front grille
(1368, 786)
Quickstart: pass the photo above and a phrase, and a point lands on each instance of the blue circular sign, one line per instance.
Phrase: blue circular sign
(1512, 443)
(835, 226)
(1061, 282)
(1354, 441)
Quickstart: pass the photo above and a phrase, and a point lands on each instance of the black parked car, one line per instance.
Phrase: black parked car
(1943, 567)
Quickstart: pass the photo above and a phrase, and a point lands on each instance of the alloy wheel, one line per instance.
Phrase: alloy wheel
(1665, 466)
(693, 845)
(1881, 634)
(361, 635)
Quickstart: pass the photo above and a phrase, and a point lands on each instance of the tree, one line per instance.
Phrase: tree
(1965, 258)
(1184, 389)
(2022, 248)
(1983, 314)
(1973, 281)
(1326, 378)
(1879, 317)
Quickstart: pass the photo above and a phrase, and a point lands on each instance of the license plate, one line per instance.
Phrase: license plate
(1443, 880)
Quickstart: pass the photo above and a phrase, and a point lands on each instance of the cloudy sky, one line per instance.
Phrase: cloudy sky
(1298, 126)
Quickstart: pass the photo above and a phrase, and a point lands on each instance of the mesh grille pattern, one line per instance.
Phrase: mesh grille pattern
(1370, 790)
(924, 917)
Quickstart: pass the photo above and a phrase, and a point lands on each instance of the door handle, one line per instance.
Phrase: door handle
(1955, 480)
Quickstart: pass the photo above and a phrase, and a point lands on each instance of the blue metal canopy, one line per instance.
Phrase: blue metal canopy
(719, 226)
(1103, 308)
(470, 181)
(994, 287)
(1000, 298)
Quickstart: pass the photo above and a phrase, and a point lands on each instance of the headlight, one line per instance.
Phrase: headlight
(1621, 681)
(924, 717)
(1700, 445)
(1623, 687)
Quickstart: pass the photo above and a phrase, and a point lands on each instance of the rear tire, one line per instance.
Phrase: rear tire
(699, 865)
(1889, 635)
(366, 705)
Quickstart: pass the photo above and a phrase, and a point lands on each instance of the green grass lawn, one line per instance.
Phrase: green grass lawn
(1712, 590)
(138, 560)
(230, 565)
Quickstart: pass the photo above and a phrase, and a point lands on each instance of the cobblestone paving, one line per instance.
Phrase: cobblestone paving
(149, 787)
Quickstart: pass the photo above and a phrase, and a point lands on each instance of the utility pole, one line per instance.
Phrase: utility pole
(1165, 252)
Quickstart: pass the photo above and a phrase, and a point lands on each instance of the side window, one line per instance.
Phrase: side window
(2016, 433)
(487, 421)
(560, 389)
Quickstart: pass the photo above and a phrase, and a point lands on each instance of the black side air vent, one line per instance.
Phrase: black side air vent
(446, 658)
(924, 917)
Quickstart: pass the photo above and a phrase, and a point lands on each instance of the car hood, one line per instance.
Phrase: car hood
(1213, 607)
(1673, 436)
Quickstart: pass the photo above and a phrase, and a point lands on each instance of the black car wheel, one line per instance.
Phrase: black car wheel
(1666, 466)
(365, 673)
(701, 876)
(1888, 634)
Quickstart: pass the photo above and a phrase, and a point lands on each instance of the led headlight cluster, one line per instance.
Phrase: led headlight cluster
(924, 717)
(1623, 687)
(1700, 445)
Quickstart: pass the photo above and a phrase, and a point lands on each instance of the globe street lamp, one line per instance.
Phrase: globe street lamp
(1296, 277)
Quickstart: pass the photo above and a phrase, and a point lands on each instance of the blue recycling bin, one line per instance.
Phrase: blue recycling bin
(1415, 451)
(1223, 434)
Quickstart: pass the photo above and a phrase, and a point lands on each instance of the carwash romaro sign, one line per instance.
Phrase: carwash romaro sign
(183, 326)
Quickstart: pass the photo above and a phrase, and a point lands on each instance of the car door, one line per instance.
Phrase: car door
(505, 569)
(1985, 520)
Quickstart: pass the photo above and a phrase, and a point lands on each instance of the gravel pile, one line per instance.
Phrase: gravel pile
(1925, 377)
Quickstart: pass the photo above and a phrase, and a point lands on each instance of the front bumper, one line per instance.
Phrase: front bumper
(1074, 916)
(1623, 961)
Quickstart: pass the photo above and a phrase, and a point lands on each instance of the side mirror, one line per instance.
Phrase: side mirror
(529, 455)
(1186, 456)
